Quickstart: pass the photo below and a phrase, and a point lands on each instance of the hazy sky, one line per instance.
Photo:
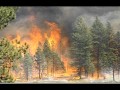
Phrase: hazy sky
(64, 16)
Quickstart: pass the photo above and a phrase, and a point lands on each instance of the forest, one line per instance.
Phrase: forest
(90, 51)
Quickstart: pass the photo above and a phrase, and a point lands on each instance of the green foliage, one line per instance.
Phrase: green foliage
(47, 54)
(27, 62)
(98, 46)
(8, 51)
(9, 54)
(40, 58)
(38, 55)
(52, 58)
(108, 56)
(81, 46)
(58, 64)
(97, 34)
(98, 31)
(46, 49)
(7, 14)
(41, 61)
(7, 79)
(98, 41)
(117, 39)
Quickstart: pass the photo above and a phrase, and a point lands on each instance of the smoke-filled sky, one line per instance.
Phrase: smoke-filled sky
(63, 16)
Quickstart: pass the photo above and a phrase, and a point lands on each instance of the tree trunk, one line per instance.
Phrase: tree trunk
(3, 73)
(98, 68)
(39, 72)
(92, 74)
(9, 67)
(113, 74)
(80, 73)
(53, 67)
(47, 69)
(27, 76)
(118, 72)
(86, 73)
(97, 72)
(118, 66)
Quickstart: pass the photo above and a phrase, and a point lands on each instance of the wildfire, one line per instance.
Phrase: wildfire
(37, 36)
(69, 70)
(53, 35)
(34, 38)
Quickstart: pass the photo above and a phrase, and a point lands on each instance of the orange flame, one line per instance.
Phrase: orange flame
(37, 36)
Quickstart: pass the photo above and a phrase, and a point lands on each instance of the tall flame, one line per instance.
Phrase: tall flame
(37, 36)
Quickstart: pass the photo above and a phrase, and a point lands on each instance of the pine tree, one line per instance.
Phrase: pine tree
(7, 14)
(47, 53)
(111, 49)
(98, 32)
(81, 47)
(41, 62)
(57, 63)
(105, 51)
(117, 39)
(9, 54)
(27, 62)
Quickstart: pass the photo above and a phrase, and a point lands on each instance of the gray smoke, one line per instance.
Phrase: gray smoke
(63, 16)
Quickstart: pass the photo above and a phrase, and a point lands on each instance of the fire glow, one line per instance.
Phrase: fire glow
(37, 36)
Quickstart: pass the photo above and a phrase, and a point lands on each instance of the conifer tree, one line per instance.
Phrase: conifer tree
(81, 47)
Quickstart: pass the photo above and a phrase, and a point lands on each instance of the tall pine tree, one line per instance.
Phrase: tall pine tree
(117, 39)
(27, 64)
(98, 44)
(81, 47)
(47, 53)
(41, 62)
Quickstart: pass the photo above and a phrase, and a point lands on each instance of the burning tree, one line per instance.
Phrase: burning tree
(47, 53)
(27, 62)
(57, 64)
(54, 62)
(8, 56)
(41, 62)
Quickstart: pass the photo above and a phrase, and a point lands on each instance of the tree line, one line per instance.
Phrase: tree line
(92, 49)
(11, 55)
(95, 48)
